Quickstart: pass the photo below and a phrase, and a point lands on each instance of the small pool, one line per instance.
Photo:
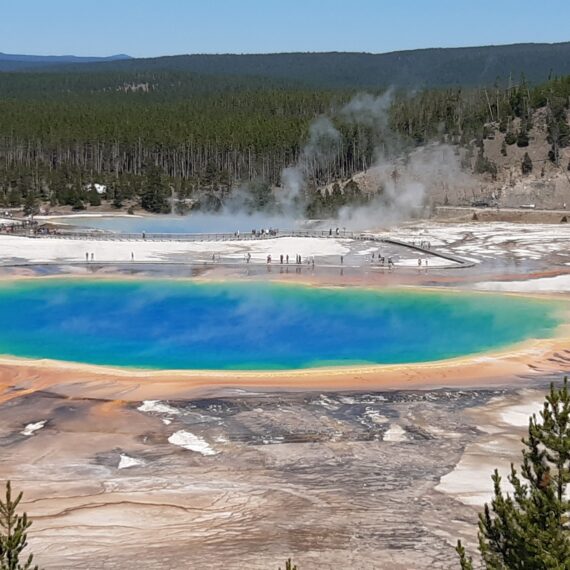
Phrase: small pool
(162, 324)
(189, 224)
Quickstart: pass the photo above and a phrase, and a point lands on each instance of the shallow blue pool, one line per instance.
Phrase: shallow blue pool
(191, 223)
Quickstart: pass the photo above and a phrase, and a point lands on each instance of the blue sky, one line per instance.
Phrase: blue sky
(146, 28)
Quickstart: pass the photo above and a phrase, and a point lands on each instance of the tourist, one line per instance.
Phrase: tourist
(287, 259)
(132, 256)
(86, 256)
(92, 256)
(281, 259)
(269, 259)
(341, 259)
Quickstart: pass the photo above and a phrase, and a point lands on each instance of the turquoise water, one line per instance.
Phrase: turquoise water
(234, 326)
(192, 223)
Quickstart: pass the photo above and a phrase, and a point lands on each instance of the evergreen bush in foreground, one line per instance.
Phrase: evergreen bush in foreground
(530, 529)
(13, 534)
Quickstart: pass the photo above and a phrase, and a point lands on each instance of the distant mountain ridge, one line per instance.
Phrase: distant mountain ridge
(17, 62)
(432, 67)
(422, 68)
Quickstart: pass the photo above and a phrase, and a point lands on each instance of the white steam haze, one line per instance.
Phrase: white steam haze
(365, 109)
(406, 182)
(320, 150)
(400, 179)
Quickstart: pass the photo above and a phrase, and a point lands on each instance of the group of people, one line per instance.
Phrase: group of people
(422, 243)
(284, 259)
(10, 228)
(17, 227)
(262, 232)
(45, 231)
(91, 256)
(381, 259)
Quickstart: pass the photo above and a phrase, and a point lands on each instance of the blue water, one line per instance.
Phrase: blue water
(232, 326)
(191, 223)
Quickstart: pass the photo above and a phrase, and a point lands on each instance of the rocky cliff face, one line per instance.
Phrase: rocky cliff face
(487, 175)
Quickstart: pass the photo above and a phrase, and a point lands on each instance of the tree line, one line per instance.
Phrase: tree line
(60, 133)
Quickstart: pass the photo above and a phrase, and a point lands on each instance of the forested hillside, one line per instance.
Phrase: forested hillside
(423, 68)
(147, 135)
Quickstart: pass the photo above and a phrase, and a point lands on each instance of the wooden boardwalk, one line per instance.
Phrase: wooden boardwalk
(248, 236)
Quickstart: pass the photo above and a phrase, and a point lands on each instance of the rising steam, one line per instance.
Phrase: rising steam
(400, 181)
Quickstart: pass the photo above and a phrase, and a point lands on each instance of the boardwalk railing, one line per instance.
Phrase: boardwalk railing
(247, 236)
(149, 236)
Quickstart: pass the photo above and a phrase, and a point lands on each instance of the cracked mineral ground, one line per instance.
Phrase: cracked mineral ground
(250, 479)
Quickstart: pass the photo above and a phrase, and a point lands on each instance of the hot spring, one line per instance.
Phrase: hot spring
(160, 324)
(191, 223)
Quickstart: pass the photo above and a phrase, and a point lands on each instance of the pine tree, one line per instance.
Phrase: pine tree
(464, 560)
(31, 204)
(530, 529)
(13, 534)
(154, 197)
(522, 137)
(526, 165)
(510, 138)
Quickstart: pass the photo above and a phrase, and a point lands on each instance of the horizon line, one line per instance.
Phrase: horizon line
(295, 52)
